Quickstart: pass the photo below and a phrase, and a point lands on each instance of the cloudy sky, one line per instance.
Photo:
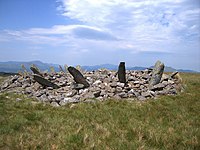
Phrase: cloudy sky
(91, 32)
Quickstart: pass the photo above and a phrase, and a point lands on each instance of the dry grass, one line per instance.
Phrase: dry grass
(170, 122)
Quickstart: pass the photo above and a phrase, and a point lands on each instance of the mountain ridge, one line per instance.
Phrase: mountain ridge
(15, 66)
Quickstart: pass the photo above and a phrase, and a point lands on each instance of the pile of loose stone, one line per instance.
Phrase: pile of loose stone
(60, 88)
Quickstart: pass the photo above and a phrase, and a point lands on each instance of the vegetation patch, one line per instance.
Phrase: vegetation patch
(169, 122)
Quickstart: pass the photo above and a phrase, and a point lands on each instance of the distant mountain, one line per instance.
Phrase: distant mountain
(15, 66)
(110, 67)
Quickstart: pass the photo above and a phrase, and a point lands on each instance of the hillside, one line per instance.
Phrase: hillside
(169, 122)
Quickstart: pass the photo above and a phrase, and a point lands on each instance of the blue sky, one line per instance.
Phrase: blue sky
(90, 32)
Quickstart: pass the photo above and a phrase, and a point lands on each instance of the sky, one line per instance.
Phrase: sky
(92, 32)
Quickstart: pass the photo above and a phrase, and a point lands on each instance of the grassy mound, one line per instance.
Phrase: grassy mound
(170, 122)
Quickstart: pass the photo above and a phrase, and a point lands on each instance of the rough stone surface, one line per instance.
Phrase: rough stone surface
(35, 70)
(44, 82)
(78, 77)
(122, 72)
(157, 73)
(104, 84)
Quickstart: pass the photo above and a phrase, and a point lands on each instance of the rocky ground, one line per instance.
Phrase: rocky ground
(59, 88)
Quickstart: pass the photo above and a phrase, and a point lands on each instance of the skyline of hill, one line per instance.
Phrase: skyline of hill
(15, 66)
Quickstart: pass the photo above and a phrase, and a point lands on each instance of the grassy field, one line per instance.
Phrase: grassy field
(170, 122)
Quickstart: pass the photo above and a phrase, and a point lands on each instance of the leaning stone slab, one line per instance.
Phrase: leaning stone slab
(173, 74)
(35, 70)
(61, 69)
(122, 72)
(44, 81)
(156, 74)
(78, 77)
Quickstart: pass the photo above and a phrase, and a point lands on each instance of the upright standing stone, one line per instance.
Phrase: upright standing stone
(122, 72)
(78, 77)
(157, 73)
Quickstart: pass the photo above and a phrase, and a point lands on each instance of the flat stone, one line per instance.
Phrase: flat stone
(5, 85)
(118, 89)
(18, 99)
(78, 86)
(71, 93)
(131, 78)
(136, 82)
(120, 84)
(55, 104)
(102, 93)
(97, 82)
(158, 87)
(123, 95)
(68, 100)
(28, 90)
(146, 94)
(113, 84)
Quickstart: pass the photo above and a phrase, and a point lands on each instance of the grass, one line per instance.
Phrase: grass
(170, 122)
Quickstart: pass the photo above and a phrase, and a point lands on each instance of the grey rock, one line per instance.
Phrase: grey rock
(123, 95)
(158, 87)
(157, 73)
(45, 82)
(78, 77)
(136, 82)
(102, 93)
(44, 98)
(118, 89)
(55, 104)
(104, 85)
(13, 79)
(173, 74)
(71, 93)
(172, 92)
(78, 86)
(131, 78)
(68, 100)
(165, 77)
(122, 72)
(113, 84)
(117, 97)
(28, 90)
(97, 82)
(18, 99)
(97, 93)
(5, 85)
(146, 76)
(146, 94)
(37, 94)
(111, 94)
(35, 70)
(120, 84)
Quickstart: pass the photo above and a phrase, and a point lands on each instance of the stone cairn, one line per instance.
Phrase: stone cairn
(73, 85)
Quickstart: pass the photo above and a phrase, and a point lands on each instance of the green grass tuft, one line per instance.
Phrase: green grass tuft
(169, 122)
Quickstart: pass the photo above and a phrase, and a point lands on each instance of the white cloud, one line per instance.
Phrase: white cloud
(135, 19)
(129, 26)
